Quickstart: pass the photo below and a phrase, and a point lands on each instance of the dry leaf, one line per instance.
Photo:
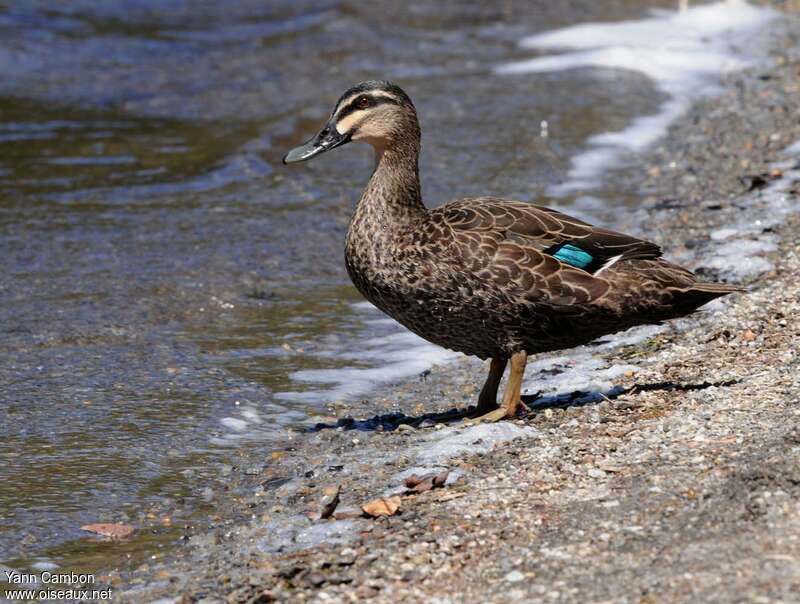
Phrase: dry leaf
(413, 481)
(420, 484)
(383, 506)
(440, 479)
(113, 530)
(424, 485)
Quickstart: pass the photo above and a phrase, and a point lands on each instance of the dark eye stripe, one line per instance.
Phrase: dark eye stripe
(374, 102)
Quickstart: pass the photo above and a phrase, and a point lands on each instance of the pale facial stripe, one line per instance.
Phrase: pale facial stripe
(344, 125)
(370, 93)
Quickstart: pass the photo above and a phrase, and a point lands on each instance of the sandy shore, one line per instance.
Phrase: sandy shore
(679, 482)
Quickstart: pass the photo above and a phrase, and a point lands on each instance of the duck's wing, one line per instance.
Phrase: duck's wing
(545, 230)
(535, 253)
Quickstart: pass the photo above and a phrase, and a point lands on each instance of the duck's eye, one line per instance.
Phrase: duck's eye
(363, 102)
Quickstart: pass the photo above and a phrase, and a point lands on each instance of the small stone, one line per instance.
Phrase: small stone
(316, 579)
(329, 501)
(347, 513)
(514, 577)
(365, 592)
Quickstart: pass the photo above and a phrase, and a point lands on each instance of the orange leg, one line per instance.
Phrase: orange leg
(511, 396)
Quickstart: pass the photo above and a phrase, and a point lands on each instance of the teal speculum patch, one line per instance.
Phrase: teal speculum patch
(574, 256)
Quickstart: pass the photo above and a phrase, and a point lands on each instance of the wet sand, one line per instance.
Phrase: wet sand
(676, 483)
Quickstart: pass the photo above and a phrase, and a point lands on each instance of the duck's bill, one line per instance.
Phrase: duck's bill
(329, 138)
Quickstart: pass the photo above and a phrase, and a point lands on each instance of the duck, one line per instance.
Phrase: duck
(493, 278)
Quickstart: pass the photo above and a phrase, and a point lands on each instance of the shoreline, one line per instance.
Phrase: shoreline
(687, 465)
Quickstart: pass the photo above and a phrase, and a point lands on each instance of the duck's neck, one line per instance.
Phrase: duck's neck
(392, 197)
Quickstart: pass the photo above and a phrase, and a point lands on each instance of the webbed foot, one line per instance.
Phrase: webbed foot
(511, 397)
(491, 417)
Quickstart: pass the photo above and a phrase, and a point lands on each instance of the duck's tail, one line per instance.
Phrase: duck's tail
(703, 293)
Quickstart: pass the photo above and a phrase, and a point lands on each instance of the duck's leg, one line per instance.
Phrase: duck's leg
(487, 401)
(511, 396)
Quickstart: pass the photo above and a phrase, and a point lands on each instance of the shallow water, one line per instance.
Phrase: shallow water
(169, 290)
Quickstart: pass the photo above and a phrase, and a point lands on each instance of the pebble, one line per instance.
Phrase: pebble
(514, 577)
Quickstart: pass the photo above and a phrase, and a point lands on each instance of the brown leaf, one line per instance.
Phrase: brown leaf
(425, 485)
(420, 484)
(413, 481)
(383, 506)
(113, 530)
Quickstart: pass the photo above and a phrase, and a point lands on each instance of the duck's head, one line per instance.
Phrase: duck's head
(375, 112)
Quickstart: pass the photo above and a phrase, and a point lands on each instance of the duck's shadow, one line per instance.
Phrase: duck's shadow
(534, 402)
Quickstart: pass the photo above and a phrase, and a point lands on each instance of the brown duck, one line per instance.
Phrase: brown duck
(489, 277)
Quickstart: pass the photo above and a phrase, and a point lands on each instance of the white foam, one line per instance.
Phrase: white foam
(248, 425)
(564, 375)
(793, 149)
(299, 533)
(581, 369)
(740, 267)
(380, 352)
(745, 244)
(392, 355)
(44, 564)
(684, 53)
(234, 423)
(443, 445)
(723, 233)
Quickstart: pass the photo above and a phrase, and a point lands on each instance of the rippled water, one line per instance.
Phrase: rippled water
(169, 290)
